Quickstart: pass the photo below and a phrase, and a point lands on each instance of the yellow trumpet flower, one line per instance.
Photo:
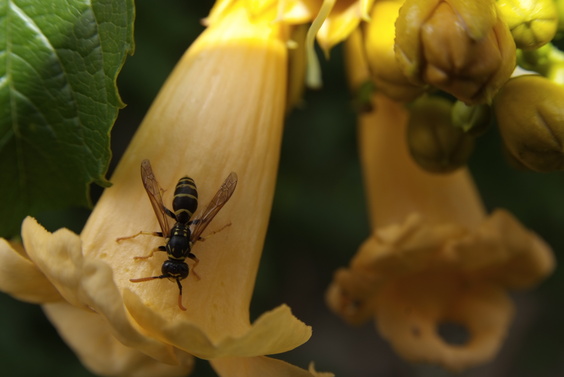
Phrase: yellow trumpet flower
(221, 110)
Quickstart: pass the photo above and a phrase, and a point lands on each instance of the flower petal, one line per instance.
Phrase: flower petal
(285, 332)
(88, 284)
(505, 251)
(260, 366)
(343, 19)
(410, 310)
(58, 255)
(102, 295)
(20, 277)
(89, 335)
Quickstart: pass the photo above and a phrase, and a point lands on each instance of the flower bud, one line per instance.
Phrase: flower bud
(379, 45)
(532, 23)
(461, 47)
(530, 114)
(474, 120)
(434, 143)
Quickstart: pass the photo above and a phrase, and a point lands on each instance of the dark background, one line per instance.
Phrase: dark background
(318, 221)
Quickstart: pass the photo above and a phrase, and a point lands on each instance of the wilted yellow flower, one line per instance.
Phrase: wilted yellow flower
(461, 47)
(221, 110)
(533, 23)
(530, 115)
(433, 256)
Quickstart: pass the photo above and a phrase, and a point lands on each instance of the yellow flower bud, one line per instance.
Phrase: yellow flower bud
(530, 115)
(461, 47)
(434, 143)
(379, 45)
(533, 23)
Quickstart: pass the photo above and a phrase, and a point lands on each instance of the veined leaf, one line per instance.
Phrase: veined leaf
(59, 60)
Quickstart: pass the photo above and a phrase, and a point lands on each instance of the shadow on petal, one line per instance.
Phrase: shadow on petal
(89, 335)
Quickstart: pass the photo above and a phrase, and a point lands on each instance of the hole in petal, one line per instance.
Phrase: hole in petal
(453, 333)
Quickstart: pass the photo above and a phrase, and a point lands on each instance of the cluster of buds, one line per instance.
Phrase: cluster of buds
(468, 51)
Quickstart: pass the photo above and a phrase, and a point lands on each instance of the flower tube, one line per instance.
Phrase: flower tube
(434, 257)
(221, 110)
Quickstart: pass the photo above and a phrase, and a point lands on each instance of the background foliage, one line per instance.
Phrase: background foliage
(318, 221)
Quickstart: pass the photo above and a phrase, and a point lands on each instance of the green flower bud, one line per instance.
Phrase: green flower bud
(461, 47)
(533, 23)
(434, 143)
(530, 114)
(474, 120)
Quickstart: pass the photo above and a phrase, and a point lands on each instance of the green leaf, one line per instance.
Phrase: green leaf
(59, 60)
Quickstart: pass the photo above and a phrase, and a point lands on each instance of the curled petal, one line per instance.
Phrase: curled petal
(58, 255)
(285, 332)
(411, 309)
(504, 251)
(351, 296)
(343, 19)
(20, 277)
(260, 366)
(89, 335)
(88, 284)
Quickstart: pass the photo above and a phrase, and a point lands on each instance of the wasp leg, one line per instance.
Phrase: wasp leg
(140, 280)
(156, 234)
(169, 213)
(180, 295)
(214, 232)
(160, 248)
(196, 261)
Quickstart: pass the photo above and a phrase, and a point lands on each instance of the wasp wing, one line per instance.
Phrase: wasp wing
(217, 202)
(154, 191)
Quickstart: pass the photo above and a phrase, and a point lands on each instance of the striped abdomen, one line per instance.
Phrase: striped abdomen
(185, 200)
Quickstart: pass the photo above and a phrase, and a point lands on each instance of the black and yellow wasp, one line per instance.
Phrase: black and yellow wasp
(185, 232)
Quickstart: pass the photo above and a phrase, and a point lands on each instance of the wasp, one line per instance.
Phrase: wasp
(185, 232)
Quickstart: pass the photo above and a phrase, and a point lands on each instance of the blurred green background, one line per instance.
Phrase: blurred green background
(318, 221)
